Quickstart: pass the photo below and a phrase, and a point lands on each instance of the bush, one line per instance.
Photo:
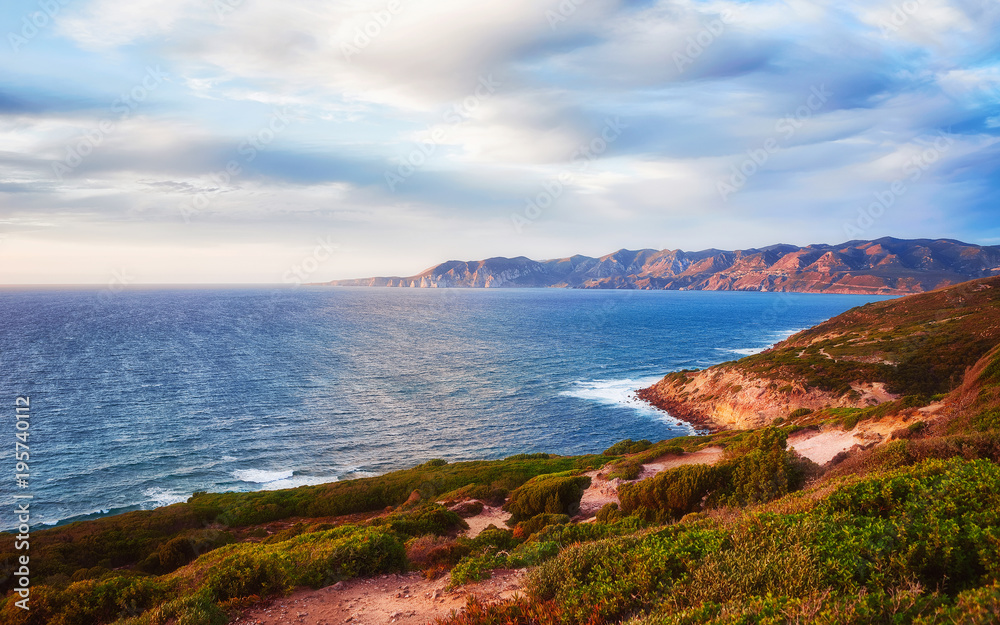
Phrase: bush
(426, 519)
(555, 494)
(799, 412)
(467, 509)
(613, 579)
(430, 551)
(182, 549)
(674, 492)
(525, 529)
(244, 574)
(627, 446)
(626, 470)
(492, 539)
(609, 513)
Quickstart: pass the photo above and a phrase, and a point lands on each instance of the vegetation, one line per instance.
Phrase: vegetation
(918, 345)
(907, 531)
(553, 494)
(161, 540)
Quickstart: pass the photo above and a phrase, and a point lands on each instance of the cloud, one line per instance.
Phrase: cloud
(377, 89)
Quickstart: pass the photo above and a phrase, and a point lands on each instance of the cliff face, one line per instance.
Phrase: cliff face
(727, 398)
(886, 266)
(921, 345)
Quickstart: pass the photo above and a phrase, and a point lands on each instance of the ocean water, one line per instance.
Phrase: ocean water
(142, 396)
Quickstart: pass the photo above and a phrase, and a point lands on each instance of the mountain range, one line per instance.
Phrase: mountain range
(883, 266)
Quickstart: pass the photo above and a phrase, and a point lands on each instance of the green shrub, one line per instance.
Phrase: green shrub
(244, 574)
(609, 513)
(426, 519)
(621, 576)
(799, 412)
(534, 524)
(555, 494)
(674, 492)
(627, 469)
(627, 446)
(431, 550)
(937, 522)
(978, 606)
(476, 568)
(987, 420)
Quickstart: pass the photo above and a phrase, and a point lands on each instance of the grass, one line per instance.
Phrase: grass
(161, 540)
(905, 532)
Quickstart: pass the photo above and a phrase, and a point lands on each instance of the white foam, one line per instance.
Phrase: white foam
(277, 480)
(229, 458)
(742, 351)
(620, 393)
(298, 480)
(784, 334)
(163, 496)
(610, 392)
(259, 476)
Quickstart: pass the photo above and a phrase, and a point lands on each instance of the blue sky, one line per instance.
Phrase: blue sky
(265, 141)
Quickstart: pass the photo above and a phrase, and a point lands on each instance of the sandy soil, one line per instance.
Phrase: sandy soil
(603, 491)
(407, 598)
(489, 516)
(709, 455)
(821, 447)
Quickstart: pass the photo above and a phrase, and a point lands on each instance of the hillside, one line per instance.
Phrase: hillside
(884, 266)
(915, 347)
(883, 511)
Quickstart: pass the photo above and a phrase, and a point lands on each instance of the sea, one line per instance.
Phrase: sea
(141, 396)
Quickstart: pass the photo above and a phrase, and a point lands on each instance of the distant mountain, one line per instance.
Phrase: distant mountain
(884, 266)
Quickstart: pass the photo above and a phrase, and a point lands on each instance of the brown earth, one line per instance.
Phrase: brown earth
(723, 397)
(406, 598)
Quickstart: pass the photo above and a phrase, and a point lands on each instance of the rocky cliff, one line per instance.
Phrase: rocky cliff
(915, 347)
(885, 266)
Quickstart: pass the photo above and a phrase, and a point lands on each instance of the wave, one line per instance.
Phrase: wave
(610, 392)
(260, 476)
(621, 393)
(276, 480)
(777, 336)
(742, 351)
(164, 497)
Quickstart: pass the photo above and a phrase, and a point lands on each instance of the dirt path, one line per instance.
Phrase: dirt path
(489, 516)
(407, 599)
(709, 455)
(602, 492)
(821, 447)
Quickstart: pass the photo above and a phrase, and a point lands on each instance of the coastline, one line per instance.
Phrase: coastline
(679, 410)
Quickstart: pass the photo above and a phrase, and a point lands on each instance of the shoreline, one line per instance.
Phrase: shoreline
(679, 410)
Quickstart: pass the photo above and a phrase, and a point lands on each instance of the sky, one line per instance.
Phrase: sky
(288, 141)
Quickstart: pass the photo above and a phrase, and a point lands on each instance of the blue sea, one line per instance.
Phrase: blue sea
(140, 397)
